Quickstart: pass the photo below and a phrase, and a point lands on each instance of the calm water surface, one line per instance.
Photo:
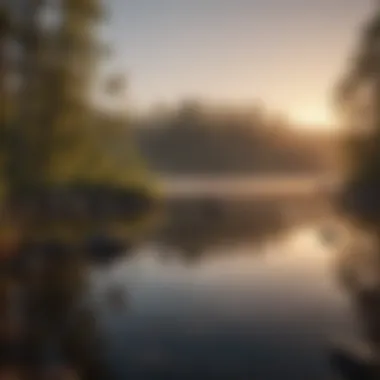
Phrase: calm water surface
(240, 312)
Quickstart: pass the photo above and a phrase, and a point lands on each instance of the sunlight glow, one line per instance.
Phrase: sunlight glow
(314, 119)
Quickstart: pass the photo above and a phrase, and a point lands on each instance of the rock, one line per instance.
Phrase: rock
(102, 249)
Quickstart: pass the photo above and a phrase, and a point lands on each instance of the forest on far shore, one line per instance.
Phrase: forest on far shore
(193, 138)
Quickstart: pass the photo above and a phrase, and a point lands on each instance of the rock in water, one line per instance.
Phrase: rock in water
(103, 249)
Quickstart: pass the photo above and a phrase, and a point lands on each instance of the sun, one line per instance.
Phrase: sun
(314, 119)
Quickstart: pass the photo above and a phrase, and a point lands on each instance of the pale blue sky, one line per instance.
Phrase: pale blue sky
(286, 52)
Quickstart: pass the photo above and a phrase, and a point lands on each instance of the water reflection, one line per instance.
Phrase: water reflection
(358, 272)
(244, 310)
(191, 227)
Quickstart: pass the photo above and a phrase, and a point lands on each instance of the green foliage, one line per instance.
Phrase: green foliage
(55, 161)
(54, 137)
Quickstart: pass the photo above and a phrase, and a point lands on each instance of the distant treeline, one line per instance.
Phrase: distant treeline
(198, 139)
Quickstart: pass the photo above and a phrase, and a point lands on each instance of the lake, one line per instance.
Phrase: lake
(236, 311)
(258, 186)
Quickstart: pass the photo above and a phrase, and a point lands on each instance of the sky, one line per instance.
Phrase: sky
(288, 53)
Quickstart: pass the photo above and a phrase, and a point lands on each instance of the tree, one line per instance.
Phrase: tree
(50, 145)
(358, 98)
